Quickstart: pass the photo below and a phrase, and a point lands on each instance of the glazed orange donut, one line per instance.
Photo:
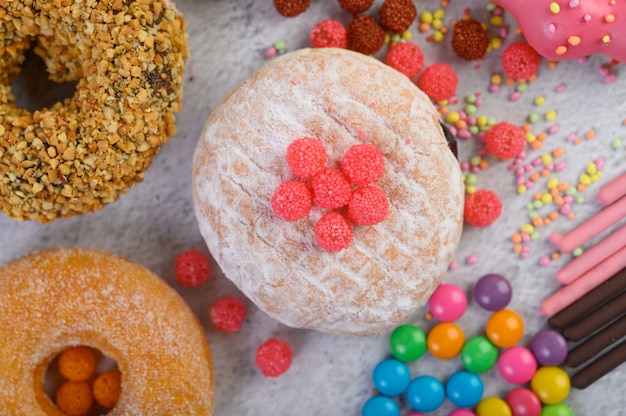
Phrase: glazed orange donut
(127, 59)
(66, 297)
(342, 98)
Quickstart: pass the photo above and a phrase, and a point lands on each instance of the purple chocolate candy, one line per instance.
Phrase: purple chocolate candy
(493, 292)
(549, 347)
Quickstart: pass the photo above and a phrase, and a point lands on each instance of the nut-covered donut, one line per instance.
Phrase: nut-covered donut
(64, 297)
(343, 99)
(127, 59)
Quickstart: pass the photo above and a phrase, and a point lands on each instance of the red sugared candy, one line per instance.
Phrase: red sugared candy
(368, 205)
(292, 200)
(505, 140)
(520, 60)
(306, 156)
(439, 82)
(482, 208)
(406, 58)
(331, 189)
(192, 268)
(333, 232)
(365, 35)
(363, 164)
(227, 314)
(329, 34)
(273, 357)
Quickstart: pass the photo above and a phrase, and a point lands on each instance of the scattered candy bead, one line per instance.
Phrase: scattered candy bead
(192, 268)
(380, 406)
(523, 402)
(505, 328)
(447, 303)
(391, 377)
(407, 343)
(493, 292)
(273, 357)
(227, 314)
(493, 406)
(445, 341)
(464, 389)
(551, 384)
(479, 355)
(517, 365)
(559, 409)
(425, 394)
(549, 347)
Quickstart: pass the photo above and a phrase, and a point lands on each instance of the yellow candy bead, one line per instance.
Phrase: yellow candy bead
(530, 137)
(426, 17)
(553, 183)
(496, 21)
(546, 198)
(437, 24)
(407, 35)
(591, 168)
(551, 384)
(438, 37)
(493, 406)
(550, 115)
(470, 190)
(585, 179)
(481, 121)
(546, 159)
(453, 117)
(439, 14)
(521, 189)
(496, 79)
(527, 228)
(495, 43)
(540, 100)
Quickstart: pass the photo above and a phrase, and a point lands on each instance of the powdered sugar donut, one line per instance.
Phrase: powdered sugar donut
(65, 297)
(341, 98)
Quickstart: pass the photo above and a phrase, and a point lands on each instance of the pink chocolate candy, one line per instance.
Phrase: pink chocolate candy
(590, 228)
(612, 191)
(585, 283)
(570, 29)
(592, 257)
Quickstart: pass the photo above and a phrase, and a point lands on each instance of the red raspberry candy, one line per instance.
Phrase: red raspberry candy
(333, 232)
(504, 140)
(482, 208)
(329, 34)
(439, 82)
(520, 60)
(192, 268)
(273, 357)
(363, 164)
(227, 314)
(331, 189)
(306, 156)
(368, 205)
(406, 58)
(292, 200)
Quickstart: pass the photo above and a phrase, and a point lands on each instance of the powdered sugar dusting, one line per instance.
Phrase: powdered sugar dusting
(57, 298)
(391, 268)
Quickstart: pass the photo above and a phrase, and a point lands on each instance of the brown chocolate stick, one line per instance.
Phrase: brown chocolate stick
(596, 319)
(590, 301)
(600, 367)
(591, 347)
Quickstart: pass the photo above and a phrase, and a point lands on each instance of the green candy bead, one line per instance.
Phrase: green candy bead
(479, 355)
(559, 409)
(407, 343)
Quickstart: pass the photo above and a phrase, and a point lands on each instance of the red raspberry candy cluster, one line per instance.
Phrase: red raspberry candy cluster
(333, 189)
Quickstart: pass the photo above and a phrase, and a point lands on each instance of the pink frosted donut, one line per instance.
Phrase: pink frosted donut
(569, 29)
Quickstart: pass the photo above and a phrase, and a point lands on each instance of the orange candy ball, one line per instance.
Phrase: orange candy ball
(74, 398)
(77, 363)
(445, 340)
(107, 388)
(505, 328)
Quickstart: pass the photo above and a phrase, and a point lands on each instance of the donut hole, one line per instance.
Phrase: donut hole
(82, 377)
(33, 88)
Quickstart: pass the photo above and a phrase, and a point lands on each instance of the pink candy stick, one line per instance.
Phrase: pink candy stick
(612, 191)
(592, 257)
(590, 228)
(593, 278)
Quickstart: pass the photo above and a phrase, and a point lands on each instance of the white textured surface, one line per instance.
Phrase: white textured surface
(331, 374)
